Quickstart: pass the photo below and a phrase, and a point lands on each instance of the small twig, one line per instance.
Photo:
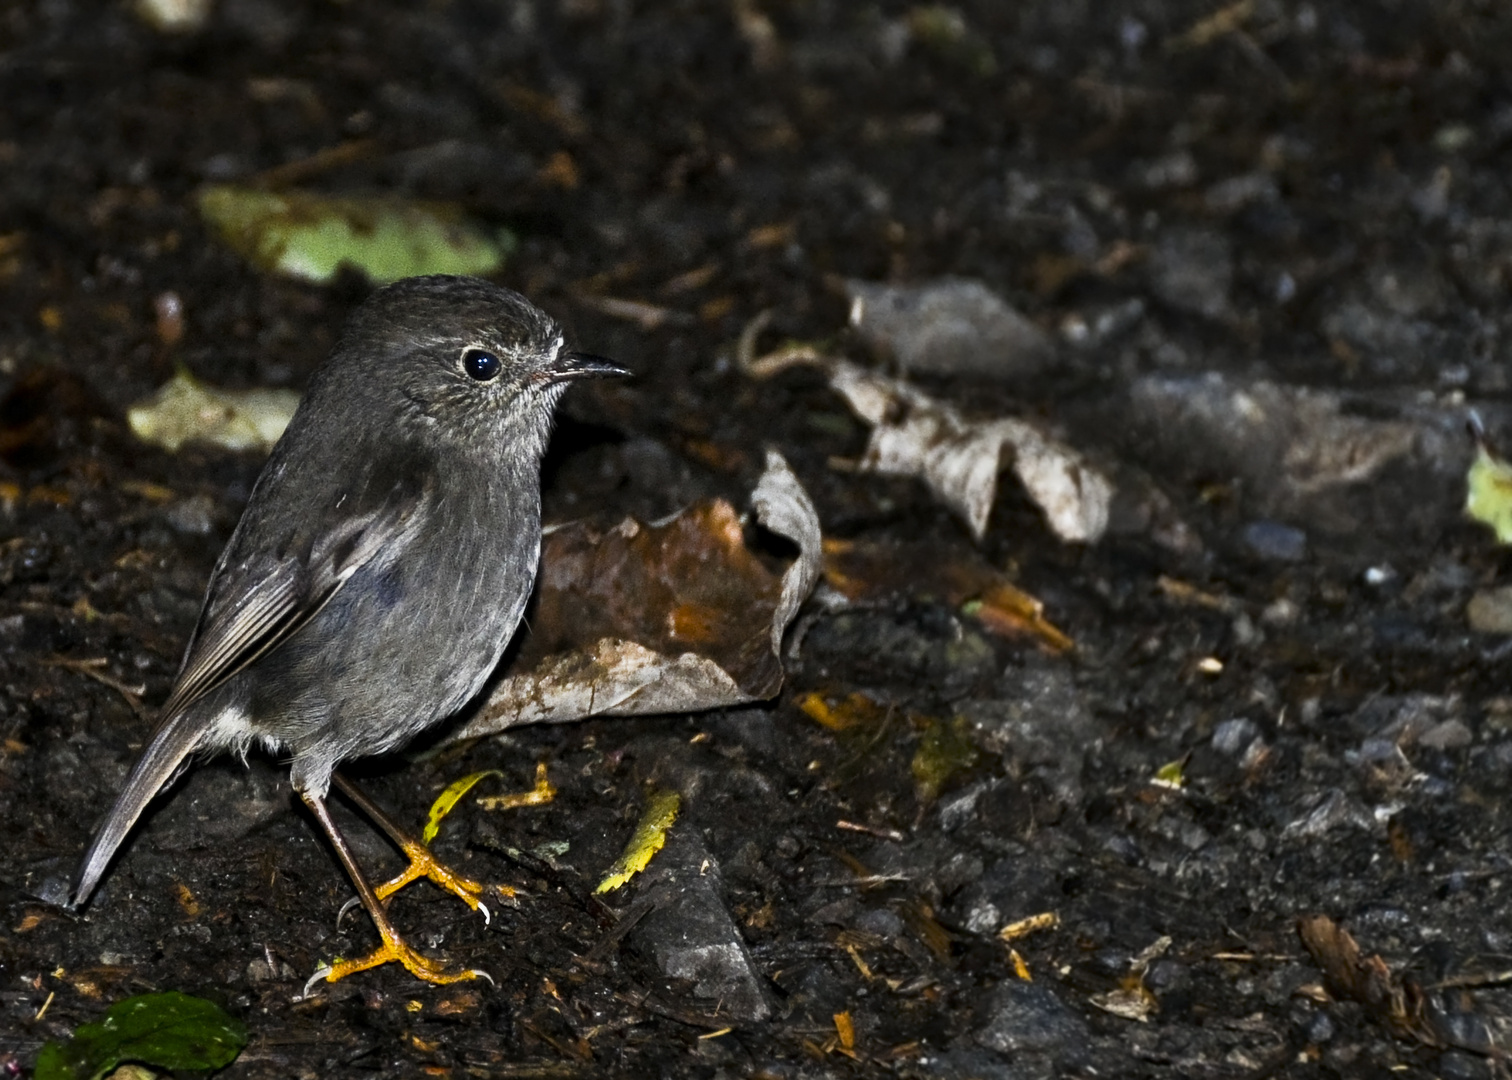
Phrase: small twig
(884, 834)
(745, 348)
(1248, 957)
(90, 669)
(1487, 978)
(644, 999)
(862, 880)
(647, 316)
(638, 911)
(795, 354)
(798, 354)
(324, 160)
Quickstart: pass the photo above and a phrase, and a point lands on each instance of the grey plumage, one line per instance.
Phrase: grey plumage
(387, 551)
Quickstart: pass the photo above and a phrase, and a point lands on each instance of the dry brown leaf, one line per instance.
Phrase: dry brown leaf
(1399, 1002)
(676, 616)
(915, 435)
(958, 458)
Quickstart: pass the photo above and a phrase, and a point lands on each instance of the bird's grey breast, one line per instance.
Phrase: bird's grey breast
(415, 631)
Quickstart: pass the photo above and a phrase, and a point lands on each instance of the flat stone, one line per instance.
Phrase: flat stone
(950, 326)
(1026, 1017)
(690, 936)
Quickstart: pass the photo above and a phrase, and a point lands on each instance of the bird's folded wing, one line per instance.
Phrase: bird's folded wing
(253, 607)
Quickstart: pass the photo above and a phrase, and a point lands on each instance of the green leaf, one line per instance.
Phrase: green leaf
(448, 799)
(649, 837)
(1173, 773)
(304, 235)
(185, 409)
(170, 1031)
(944, 750)
(1489, 491)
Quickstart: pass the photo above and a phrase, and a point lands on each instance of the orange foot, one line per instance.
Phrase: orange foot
(425, 865)
(394, 948)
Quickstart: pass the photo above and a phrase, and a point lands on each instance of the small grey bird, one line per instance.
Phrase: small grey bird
(381, 565)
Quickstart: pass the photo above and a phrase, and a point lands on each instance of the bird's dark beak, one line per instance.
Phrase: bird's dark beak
(576, 365)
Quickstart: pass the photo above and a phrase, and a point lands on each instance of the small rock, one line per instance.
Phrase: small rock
(951, 326)
(1412, 291)
(1026, 1017)
(1303, 455)
(1463, 1065)
(1490, 610)
(1377, 751)
(1367, 327)
(883, 922)
(1166, 975)
(1237, 192)
(1232, 736)
(1100, 325)
(1321, 1029)
(983, 918)
(691, 936)
(267, 969)
(1246, 633)
(1193, 271)
(1013, 888)
(194, 516)
(1274, 542)
(1177, 169)
(174, 16)
(960, 808)
(1280, 612)
(1331, 811)
(1192, 836)
(1450, 735)
(55, 889)
(1402, 720)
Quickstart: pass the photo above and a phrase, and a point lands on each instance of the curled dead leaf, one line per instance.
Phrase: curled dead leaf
(676, 616)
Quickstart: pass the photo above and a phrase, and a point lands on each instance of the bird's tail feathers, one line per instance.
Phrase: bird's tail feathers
(176, 737)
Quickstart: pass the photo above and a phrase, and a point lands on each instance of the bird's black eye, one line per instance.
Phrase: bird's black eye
(480, 364)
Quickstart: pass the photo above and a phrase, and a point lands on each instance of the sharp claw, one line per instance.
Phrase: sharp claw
(487, 918)
(346, 907)
(481, 974)
(321, 973)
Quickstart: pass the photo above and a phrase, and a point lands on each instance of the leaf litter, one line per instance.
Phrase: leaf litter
(672, 616)
(958, 458)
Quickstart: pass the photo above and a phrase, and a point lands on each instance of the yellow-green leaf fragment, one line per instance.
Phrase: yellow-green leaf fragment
(944, 750)
(1489, 496)
(1172, 774)
(187, 410)
(448, 799)
(943, 30)
(309, 236)
(649, 837)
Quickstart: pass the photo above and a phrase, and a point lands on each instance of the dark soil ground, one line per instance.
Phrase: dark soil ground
(1206, 208)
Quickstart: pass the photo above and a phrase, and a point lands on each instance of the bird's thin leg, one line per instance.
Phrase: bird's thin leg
(394, 947)
(421, 862)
